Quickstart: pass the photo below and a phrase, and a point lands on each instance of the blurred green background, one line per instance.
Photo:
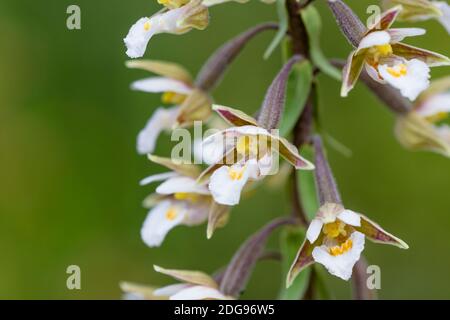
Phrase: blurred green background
(69, 171)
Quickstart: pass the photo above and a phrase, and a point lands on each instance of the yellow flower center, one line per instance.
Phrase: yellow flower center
(236, 174)
(247, 145)
(398, 71)
(147, 26)
(377, 52)
(192, 197)
(171, 97)
(437, 117)
(343, 248)
(171, 214)
(334, 229)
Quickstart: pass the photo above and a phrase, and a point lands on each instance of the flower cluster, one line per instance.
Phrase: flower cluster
(240, 155)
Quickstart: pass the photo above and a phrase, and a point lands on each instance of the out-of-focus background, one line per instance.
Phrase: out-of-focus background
(69, 170)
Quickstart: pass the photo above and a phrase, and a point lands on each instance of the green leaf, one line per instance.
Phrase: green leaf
(307, 185)
(291, 240)
(282, 28)
(311, 19)
(297, 92)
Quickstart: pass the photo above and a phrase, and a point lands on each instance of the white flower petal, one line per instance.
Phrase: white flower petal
(199, 293)
(161, 84)
(266, 164)
(226, 184)
(439, 103)
(376, 38)
(157, 177)
(138, 37)
(445, 18)
(197, 213)
(411, 77)
(350, 217)
(162, 119)
(341, 265)
(160, 220)
(170, 290)
(213, 148)
(181, 184)
(314, 230)
(399, 34)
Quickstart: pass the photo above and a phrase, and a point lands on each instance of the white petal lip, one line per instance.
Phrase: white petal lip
(157, 177)
(434, 105)
(399, 34)
(376, 38)
(156, 225)
(350, 217)
(314, 230)
(162, 119)
(137, 38)
(413, 83)
(161, 84)
(181, 184)
(199, 293)
(224, 189)
(170, 290)
(342, 265)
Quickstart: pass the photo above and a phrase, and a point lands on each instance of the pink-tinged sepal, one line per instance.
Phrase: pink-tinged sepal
(377, 234)
(351, 72)
(302, 260)
(218, 217)
(289, 152)
(235, 117)
(431, 58)
(387, 19)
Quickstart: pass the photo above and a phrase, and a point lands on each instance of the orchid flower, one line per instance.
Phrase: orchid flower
(241, 153)
(335, 237)
(177, 18)
(420, 129)
(195, 285)
(419, 10)
(179, 200)
(389, 61)
(178, 89)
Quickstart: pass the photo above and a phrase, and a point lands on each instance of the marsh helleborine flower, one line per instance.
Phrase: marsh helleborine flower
(419, 10)
(176, 84)
(335, 237)
(389, 61)
(243, 152)
(177, 18)
(179, 200)
(420, 129)
(195, 285)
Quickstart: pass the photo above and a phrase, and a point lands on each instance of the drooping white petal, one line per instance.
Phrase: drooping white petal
(410, 77)
(170, 290)
(181, 184)
(161, 84)
(197, 213)
(444, 132)
(314, 230)
(341, 265)
(138, 37)
(162, 119)
(160, 220)
(350, 217)
(157, 177)
(439, 103)
(376, 38)
(226, 184)
(445, 18)
(199, 293)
